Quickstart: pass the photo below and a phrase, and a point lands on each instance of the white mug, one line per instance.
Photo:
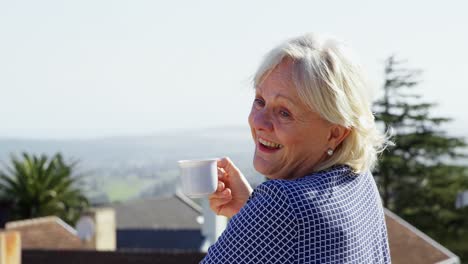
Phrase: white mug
(199, 177)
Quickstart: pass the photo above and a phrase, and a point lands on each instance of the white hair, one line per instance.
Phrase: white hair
(333, 85)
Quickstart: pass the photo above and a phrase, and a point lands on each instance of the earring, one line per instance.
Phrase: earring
(330, 152)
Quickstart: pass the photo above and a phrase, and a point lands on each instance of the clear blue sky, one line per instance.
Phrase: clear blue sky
(81, 69)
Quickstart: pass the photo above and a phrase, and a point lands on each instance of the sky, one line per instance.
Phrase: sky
(87, 69)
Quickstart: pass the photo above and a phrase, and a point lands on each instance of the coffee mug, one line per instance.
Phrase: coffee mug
(199, 177)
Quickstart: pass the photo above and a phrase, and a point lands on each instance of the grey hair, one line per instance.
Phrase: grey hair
(333, 85)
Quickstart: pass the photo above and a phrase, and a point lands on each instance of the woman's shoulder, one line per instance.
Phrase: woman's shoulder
(271, 188)
(316, 179)
(312, 187)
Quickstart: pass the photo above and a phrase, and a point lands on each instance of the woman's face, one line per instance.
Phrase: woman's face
(290, 139)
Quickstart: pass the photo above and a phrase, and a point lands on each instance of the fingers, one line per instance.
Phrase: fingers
(228, 166)
(221, 193)
(222, 162)
(227, 193)
(219, 199)
(221, 186)
(221, 173)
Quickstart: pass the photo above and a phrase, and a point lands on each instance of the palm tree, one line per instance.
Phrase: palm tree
(38, 186)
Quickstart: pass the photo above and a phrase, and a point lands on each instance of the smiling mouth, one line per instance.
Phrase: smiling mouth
(269, 145)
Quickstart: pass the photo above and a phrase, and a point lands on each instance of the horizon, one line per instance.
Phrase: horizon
(120, 136)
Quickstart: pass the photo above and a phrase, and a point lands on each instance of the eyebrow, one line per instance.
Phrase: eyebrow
(279, 95)
(285, 97)
(291, 104)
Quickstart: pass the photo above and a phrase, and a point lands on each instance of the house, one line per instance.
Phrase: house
(46, 233)
(159, 223)
(53, 233)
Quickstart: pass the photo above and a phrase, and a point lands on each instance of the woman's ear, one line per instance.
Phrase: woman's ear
(337, 135)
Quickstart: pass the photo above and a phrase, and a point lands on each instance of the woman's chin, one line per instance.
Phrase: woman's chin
(261, 165)
(264, 167)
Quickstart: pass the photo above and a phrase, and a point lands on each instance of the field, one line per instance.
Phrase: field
(123, 189)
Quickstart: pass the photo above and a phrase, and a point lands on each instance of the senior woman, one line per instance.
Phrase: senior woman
(316, 141)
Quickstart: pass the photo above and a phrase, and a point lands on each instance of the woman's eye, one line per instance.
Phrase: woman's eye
(284, 114)
(259, 102)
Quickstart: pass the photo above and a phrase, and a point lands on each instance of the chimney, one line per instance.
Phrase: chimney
(104, 238)
(10, 247)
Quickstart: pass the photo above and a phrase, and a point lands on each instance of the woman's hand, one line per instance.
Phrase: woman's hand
(233, 190)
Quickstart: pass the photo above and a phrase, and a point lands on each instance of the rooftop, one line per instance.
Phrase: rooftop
(45, 232)
(176, 212)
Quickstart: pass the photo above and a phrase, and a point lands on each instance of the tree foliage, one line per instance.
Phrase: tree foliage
(38, 186)
(419, 177)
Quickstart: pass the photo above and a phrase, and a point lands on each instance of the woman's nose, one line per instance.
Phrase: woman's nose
(261, 120)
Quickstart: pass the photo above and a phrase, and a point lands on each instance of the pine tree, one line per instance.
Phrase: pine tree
(421, 175)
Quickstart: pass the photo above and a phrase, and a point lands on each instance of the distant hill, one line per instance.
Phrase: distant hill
(152, 158)
(175, 145)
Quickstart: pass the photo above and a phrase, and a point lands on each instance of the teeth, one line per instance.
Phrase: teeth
(269, 144)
